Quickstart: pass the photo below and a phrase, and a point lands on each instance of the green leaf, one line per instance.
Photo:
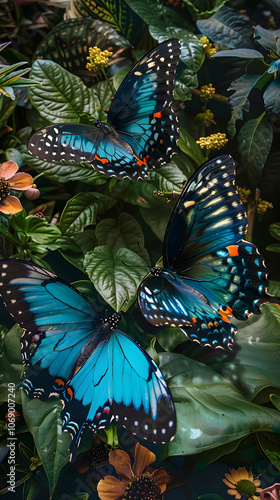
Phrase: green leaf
(65, 172)
(103, 93)
(268, 39)
(242, 87)
(228, 28)
(183, 85)
(188, 145)
(138, 193)
(41, 231)
(192, 53)
(6, 109)
(275, 400)
(119, 76)
(157, 218)
(61, 95)
(275, 247)
(270, 446)
(271, 98)
(200, 8)
(44, 422)
(124, 233)
(156, 14)
(202, 396)
(168, 178)
(116, 275)
(82, 210)
(240, 53)
(274, 230)
(254, 139)
(11, 368)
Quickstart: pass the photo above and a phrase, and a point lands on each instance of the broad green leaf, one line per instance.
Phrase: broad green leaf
(120, 75)
(44, 422)
(228, 28)
(119, 15)
(103, 92)
(68, 43)
(241, 53)
(210, 410)
(274, 230)
(268, 39)
(275, 400)
(201, 8)
(41, 231)
(124, 233)
(186, 81)
(192, 53)
(168, 178)
(271, 98)
(65, 172)
(188, 145)
(270, 446)
(7, 107)
(254, 140)
(61, 97)
(156, 14)
(274, 247)
(116, 275)
(242, 87)
(138, 193)
(157, 218)
(11, 368)
(82, 210)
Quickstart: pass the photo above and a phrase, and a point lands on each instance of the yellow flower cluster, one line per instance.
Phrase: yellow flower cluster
(213, 141)
(263, 206)
(207, 46)
(207, 92)
(97, 59)
(244, 194)
(206, 117)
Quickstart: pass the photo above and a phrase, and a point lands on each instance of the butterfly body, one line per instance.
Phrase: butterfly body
(101, 374)
(209, 272)
(141, 130)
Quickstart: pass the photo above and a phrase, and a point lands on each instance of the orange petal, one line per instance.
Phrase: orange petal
(228, 483)
(142, 459)
(21, 181)
(10, 205)
(235, 493)
(230, 478)
(8, 169)
(121, 461)
(110, 488)
(161, 478)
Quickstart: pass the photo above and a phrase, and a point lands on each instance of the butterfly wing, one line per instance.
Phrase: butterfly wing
(204, 257)
(120, 382)
(99, 373)
(141, 110)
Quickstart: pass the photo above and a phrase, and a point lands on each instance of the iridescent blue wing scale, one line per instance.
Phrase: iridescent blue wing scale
(141, 132)
(100, 374)
(209, 273)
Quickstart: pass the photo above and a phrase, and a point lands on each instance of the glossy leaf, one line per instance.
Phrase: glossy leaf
(228, 28)
(270, 446)
(61, 97)
(274, 230)
(124, 233)
(240, 53)
(138, 193)
(44, 422)
(188, 145)
(156, 14)
(210, 410)
(242, 87)
(168, 178)
(116, 275)
(268, 39)
(81, 211)
(157, 218)
(201, 9)
(186, 81)
(271, 98)
(254, 141)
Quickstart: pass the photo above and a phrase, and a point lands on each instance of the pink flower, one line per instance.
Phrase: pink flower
(9, 179)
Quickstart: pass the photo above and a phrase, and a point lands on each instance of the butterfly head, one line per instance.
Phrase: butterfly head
(156, 271)
(105, 127)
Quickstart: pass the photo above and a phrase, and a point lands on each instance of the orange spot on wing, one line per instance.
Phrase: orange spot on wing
(157, 115)
(102, 160)
(58, 381)
(194, 320)
(225, 313)
(70, 392)
(233, 250)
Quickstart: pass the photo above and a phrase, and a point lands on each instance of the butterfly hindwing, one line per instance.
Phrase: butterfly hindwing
(101, 374)
(141, 132)
(210, 274)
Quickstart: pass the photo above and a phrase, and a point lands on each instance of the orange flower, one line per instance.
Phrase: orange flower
(9, 179)
(241, 482)
(134, 482)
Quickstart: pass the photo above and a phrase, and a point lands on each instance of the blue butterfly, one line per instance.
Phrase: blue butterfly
(141, 130)
(100, 373)
(209, 273)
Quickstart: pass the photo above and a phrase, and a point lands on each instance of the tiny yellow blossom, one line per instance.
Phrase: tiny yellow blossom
(244, 194)
(207, 117)
(207, 46)
(207, 92)
(242, 483)
(97, 59)
(213, 141)
(263, 206)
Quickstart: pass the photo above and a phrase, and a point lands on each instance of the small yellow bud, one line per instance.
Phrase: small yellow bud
(263, 206)
(213, 141)
(97, 59)
(207, 92)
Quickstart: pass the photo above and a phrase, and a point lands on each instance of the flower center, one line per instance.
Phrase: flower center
(4, 188)
(142, 487)
(99, 454)
(246, 488)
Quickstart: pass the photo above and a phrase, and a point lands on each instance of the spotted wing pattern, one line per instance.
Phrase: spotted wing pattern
(141, 132)
(101, 374)
(209, 273)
